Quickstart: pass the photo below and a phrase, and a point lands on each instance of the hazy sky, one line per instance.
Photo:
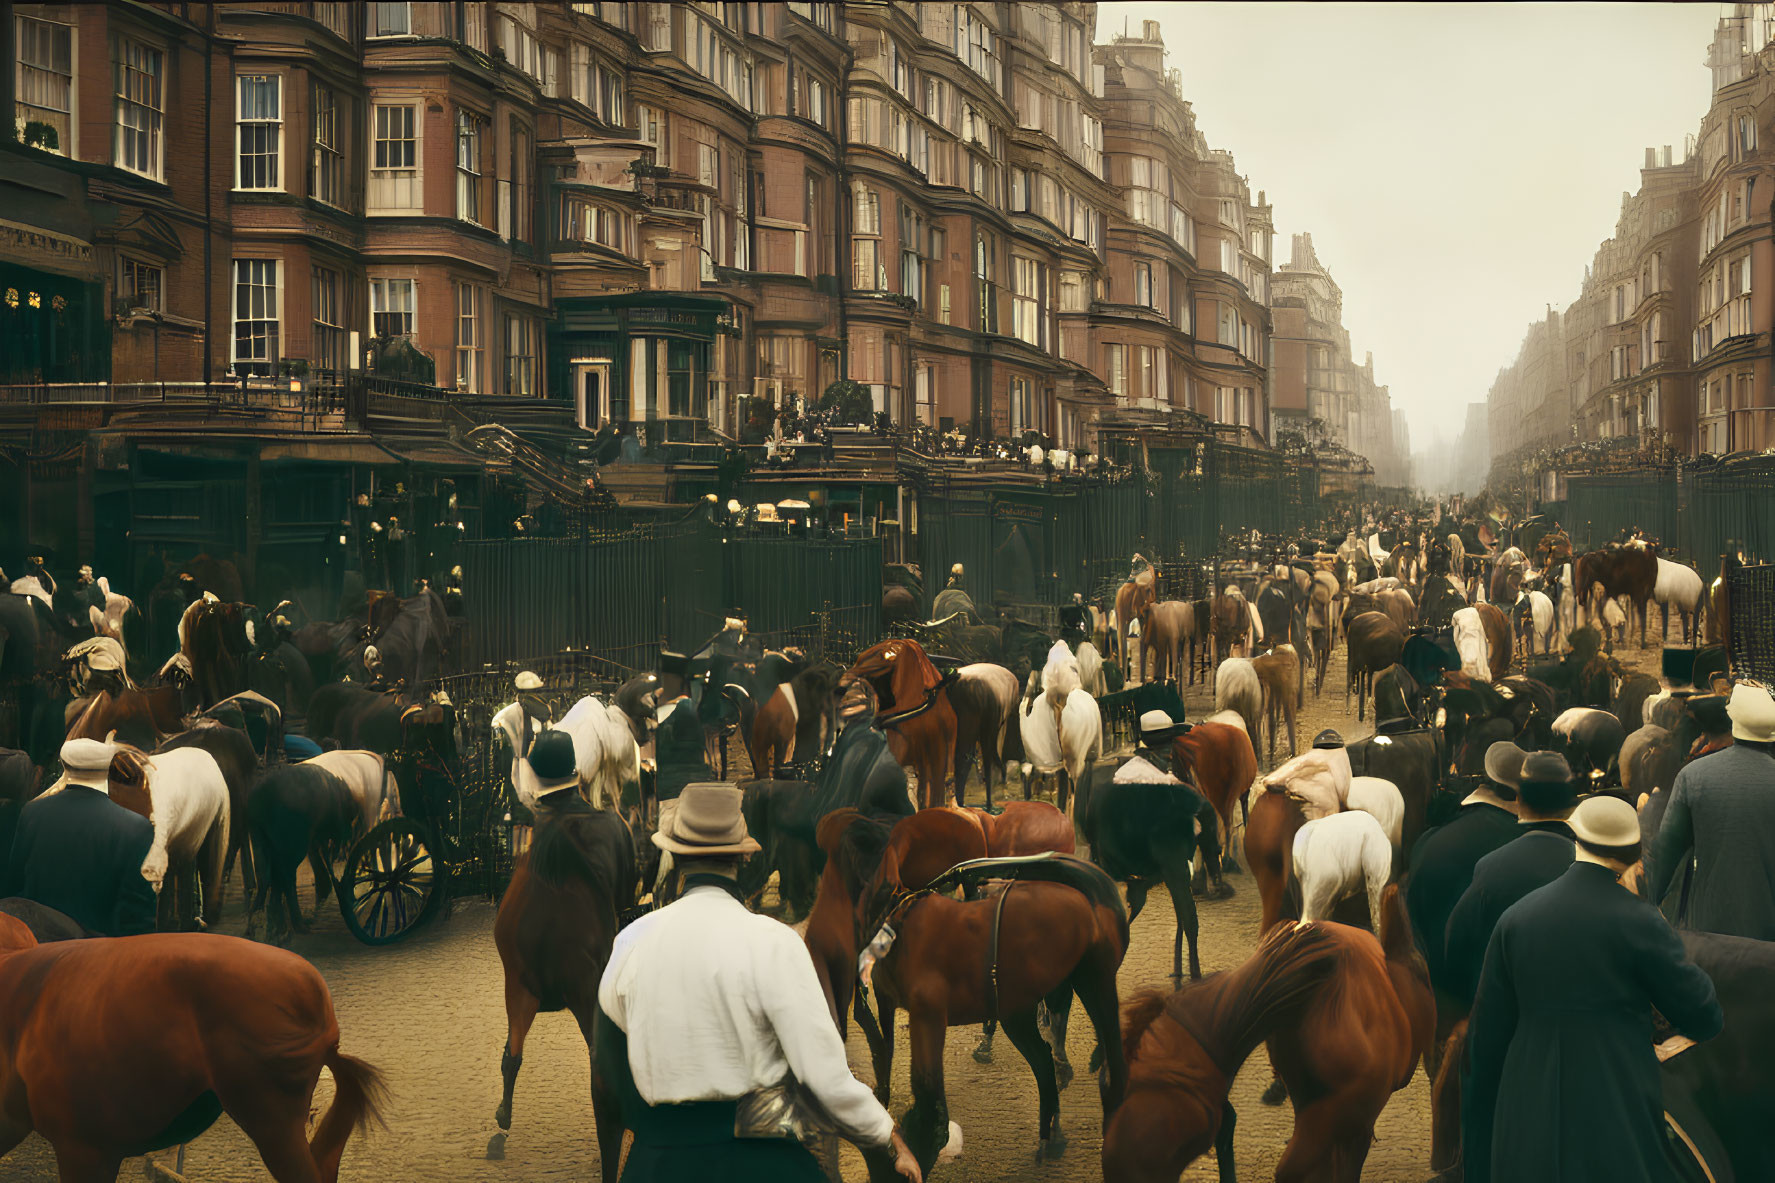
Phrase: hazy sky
(1457, 165)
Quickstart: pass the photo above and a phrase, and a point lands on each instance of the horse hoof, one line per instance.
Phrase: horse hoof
(1055, 1146)
(983, 1054)
(496, 1147)
(1062, 1074)
(1275, 1094)
(503, 1115)
(1223, 891)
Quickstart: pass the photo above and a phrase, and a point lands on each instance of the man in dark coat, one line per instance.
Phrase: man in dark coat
(1723, 809)
(1563, 1080)
(679, 752)
(1444, 858)
(1539, 854)
(1075, 622)
(81, 853)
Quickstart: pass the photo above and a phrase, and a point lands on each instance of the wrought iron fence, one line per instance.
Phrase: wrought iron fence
(1697, 511)
(1750, 596)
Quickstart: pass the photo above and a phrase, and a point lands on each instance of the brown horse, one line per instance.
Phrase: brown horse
(796, 724)
(1168, 632)
(1024, 827)
(556, 923)
(1498, 638)
(961, 962)
(1353, 1046)
(1184, 1050)
(1269, 849)
(915, 711)
(1229, 623)
(1375, 642)
(141, 718)
(1278, 671)
(110, 1048)
(1225, 764)
(1132, 599)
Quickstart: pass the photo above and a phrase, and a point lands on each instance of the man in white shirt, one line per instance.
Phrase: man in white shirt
(705, 1004)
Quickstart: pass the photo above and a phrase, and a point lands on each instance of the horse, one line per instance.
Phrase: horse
(554, 930)
(1321, 630)
(371, 782)
(1040, 941)
(1059, 743)
(1141, 833)
(1224, 761)
(984, 697)
(1184, 1050)
(915, 710)
(140, 718)
(296, 811)
(156, 1036)
(607, 739)
(1132, 600)
(1356, 1043)
(1270, 828)
(1277, 672)
(1229, 623)
(796, 724)
(239, 765)
(1375, 643)
(1679, 587)
(1238, 688)
(1166, 629)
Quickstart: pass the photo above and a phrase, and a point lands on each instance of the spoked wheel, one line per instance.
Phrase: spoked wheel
(393, 882)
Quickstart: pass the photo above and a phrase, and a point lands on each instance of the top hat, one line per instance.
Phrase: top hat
(1679, 666)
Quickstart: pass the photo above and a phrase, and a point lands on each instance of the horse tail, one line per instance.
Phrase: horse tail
(1139, 1013)
(1395, 933)
(358, 1094)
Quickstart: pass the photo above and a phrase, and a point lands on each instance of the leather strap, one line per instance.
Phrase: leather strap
(998, 914)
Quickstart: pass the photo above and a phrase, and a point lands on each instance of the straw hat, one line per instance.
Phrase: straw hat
(1753, 713)
(1605, 821)
(88, 762)
(705, 819)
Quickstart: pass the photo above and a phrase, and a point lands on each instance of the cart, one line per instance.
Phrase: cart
(454, 837)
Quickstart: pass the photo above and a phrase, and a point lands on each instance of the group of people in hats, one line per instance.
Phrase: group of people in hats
(1528, 906)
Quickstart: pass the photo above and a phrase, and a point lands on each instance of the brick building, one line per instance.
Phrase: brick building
(653, 212)
(1669, 337)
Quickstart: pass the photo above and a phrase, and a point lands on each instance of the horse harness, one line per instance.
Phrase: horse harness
(907, 897)
(894, 718)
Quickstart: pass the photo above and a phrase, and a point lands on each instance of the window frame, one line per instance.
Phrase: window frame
(328, 325)
(131, 269)
(471, 130)
(326, 168)
(273, 337)
(471, 315)
(24, 70)
(382, 288)
(377, 11)
(124, 100)
(412, 173)
(272, 170)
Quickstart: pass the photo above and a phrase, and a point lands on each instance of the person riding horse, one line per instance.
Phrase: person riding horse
(1151, 761)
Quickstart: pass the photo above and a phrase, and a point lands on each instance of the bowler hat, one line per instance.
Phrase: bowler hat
(705, 819)
(1503, 764)
(1711, 711)
(1328, 739)
(552, 760)
(1545, 768)
(1603, 820)
(1679, 666)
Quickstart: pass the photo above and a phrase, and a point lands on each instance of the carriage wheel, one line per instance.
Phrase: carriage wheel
(392, 883)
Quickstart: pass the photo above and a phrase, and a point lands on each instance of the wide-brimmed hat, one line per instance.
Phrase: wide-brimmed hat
(1605, 821)
(1753, 713)
(1328, 739)
(1547, 768)
(88, 762)
(1503, 764)
(704, 820)
(552, 760)
(527, 680)
(1157, 726)
(1711, 711)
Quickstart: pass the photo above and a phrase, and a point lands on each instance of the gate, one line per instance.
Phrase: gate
(1750, 598)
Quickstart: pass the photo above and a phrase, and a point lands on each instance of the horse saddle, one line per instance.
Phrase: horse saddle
(1048, 866)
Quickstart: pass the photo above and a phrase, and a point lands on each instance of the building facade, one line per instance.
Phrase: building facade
(673, 216)
(1669, 338)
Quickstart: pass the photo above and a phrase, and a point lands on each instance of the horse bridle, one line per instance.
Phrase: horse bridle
(930, 700)
(906, 897)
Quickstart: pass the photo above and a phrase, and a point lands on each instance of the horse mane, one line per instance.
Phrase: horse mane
(859, 851)
(1230, 1014)
(559, 853)
(1138, 1014)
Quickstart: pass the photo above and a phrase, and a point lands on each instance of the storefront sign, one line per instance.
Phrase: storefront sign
(31, 245)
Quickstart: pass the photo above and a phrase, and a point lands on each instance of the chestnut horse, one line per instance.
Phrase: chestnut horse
(1225, 764)
(915, 711)
(1354, 1045)
(1270, 828)
(961, 962)
(555, 927)
(141, 718)
(1184, 1050)
(1132, 600)
(113, 1047)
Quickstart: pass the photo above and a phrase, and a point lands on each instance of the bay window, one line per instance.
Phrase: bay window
(523, 369)
(329, 321)
(468, 166)
(394, 159)
(1028, 301)
(1115, 369)
(392, 304)
(1023, 409)
(139, 147)
(43, 87)
(471, 317)
(325, 182)
(986, 283)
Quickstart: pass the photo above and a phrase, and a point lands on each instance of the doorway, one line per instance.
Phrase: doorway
(591, 386)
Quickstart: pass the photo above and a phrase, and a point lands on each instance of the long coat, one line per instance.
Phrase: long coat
(1442, 866)
(1563, 1084)
(1538, 855)
(1723, 809)
(81, 853)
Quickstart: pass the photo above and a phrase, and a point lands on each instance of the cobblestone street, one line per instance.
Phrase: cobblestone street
(428, 1012)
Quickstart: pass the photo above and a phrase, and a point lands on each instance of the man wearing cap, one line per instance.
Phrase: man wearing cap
(679, 752)
(705, 1006)
(1538, 854)
(1562, 1078)
(1722, 811)
(81, 853)
(1444, 858)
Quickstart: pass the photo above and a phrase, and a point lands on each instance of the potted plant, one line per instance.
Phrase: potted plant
(42, 135)
(848, 404)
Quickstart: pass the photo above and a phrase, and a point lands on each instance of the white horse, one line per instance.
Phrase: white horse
(1534, 621)
(1335, 857)
(1236, 688)
(370, 780)
(1051, 748)
(1091, 670)
(1381, 799)
(1677, 587)
(606, 749)
(1470, 643)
